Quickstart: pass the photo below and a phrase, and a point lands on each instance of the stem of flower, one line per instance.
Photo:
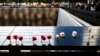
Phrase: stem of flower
(10, 41)
(21, 43)
(49, 41)
(33, 43)
(42, 42)
(16, 42)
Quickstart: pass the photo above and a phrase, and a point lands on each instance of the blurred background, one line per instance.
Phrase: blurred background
(20, 10)
(28, 16)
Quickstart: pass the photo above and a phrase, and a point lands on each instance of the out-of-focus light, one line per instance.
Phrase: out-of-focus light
(98, 51)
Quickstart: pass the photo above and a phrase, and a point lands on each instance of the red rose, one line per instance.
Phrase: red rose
(49, 37)
(8, 37)
(20, 38)
(34, 38)
(43, 37)
(15, 37)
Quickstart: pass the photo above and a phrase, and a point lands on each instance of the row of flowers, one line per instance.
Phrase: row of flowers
(16, 37)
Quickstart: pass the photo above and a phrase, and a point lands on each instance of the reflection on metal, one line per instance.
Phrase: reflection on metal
(25, 50)
(56, 50)
(4, 51)
(38, 51)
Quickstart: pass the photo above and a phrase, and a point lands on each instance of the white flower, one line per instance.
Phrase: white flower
(74, 33)
(57, 36)
(62, 34)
